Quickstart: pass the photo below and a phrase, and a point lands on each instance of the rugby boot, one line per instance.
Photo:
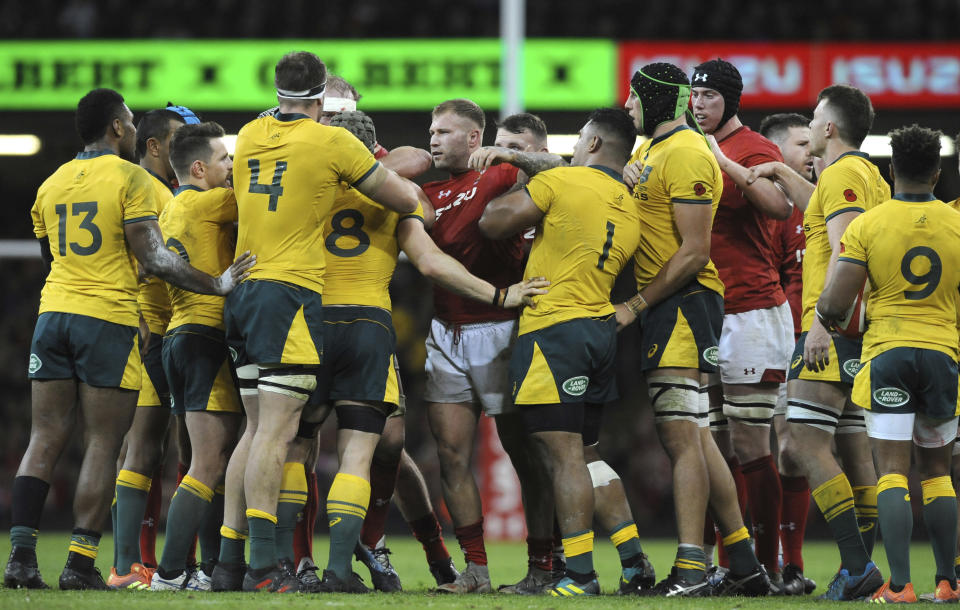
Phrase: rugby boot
(568, 587)
(535, 582)
(137, 580)
(638, 578)
(443, 570)
(793, 580)
(307, 575)
(227, 576)
(270, 580)
(331, 583)
(886, 595)
(382, 573)
(72, 579)
(752, 584)
(845, 587)
(677, 586)
(475, 578)
(943, 594)
(22, 570)
(179, 582)
(199, 580)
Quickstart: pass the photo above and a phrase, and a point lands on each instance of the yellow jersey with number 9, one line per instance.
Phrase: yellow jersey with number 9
(82, 209)
(909, 245)
(590, 229)
(286, 170)
(360, 238)
(850, 184)
(198, 225)
(676, 168)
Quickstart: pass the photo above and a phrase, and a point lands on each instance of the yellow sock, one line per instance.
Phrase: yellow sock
(834, 497)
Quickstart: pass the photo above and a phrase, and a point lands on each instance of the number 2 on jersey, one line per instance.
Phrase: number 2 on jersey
(89, 209)
(274, 190)
(928, 280)
(607, 245)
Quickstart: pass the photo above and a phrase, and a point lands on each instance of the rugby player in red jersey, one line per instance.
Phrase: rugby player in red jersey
(755, 344)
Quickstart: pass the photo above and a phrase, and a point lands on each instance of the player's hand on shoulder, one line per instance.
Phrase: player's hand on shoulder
(522, 293)
(764, 170)
(488, 156)
(625, 317)
(631, 174)
(236, 273)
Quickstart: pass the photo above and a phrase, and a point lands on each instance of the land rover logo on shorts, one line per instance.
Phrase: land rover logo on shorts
(35, 364)
(233, 354)
(576, 386)
(852, 367)
(891, 397)
(711, 355)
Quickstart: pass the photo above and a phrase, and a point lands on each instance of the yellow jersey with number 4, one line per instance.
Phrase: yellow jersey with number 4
(198, 225)
(675, 168)
(590, 229)
(286, 171)
(909, 245)
(360, 238)
(852, 183)
(82, 209)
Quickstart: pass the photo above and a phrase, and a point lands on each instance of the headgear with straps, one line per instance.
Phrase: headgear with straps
(663, 92)
(724, 78)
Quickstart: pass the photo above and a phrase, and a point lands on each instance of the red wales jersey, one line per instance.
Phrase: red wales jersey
(745, 242)
(459, 202)
(792, 245)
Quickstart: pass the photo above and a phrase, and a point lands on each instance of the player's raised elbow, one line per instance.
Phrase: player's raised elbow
(780, 210)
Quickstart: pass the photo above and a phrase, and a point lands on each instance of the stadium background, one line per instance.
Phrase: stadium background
(405, 57)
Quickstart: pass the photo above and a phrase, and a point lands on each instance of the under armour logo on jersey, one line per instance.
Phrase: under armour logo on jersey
(791, 526)
(750, 371)
(700, 77)
(443, 194)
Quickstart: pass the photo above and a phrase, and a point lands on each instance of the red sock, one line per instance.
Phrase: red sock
(793, 518)
(709, 532)
(766, 500)
(427, 531)
(182, 470)
(151, 519)
(383, 480)
(471, 542)
(303, 532)
(540, 553)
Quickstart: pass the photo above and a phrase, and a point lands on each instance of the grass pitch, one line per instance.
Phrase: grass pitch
(507, 565)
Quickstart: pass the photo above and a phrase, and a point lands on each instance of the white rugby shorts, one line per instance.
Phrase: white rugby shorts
(470, 363)
(755, 342)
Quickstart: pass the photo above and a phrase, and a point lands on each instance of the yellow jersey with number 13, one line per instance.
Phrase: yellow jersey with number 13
(82, 209)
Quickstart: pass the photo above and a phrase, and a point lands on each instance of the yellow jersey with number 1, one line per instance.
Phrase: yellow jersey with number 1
(286, 171)
(82, 209)
(590, 229)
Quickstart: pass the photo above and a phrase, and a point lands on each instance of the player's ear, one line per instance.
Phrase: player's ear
(117, 126)
(595, 143)
(936, 178)
(198, 169)
(476, 138)
(153, 147)
(894, 178)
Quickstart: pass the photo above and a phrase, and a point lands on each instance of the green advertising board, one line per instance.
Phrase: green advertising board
(558, 74)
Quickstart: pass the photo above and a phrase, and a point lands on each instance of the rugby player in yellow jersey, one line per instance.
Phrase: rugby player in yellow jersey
(358, 377)
(198, 225)
(824, 364)
(520, 137)
(907, 247)
(677, 182)
(138, 480)
(90, 215)
(562, 366)
(286, 171)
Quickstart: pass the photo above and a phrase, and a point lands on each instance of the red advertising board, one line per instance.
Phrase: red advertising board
(789, 75)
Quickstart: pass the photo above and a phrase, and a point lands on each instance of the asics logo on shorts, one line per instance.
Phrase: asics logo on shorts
(852, 367)
(576, 386)
(652, 350)
(335, 521)
(712, 355)
(35, 364)
(798, 361)
(891, 397)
